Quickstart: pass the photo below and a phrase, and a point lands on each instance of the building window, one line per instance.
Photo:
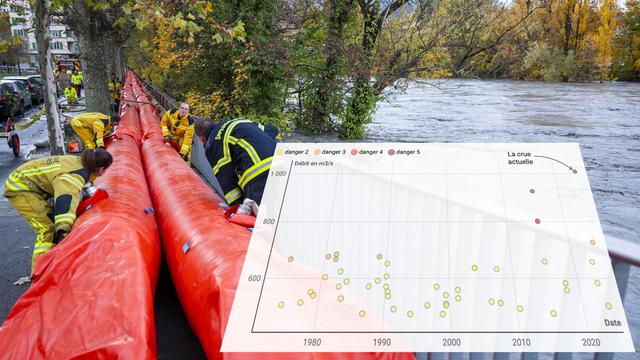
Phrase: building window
(17, 20)
(57, 46)
(17, 9)
(57, 33)
(20, 32)
(34, 46)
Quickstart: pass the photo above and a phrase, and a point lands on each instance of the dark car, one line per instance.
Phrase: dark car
(31, 83)
(9, 103)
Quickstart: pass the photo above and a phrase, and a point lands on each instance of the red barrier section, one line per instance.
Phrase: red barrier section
(92, 295)
(206, 273)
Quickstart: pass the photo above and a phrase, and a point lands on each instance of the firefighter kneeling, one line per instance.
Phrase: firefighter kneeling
(70, 95)
(177, 127)
(91, 128)
(61, 178)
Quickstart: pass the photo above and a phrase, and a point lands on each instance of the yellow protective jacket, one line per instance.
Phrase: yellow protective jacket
(114, 89)
(179, 129)
(98, 123)
(61, 177)
(76, 79)
(70, 93)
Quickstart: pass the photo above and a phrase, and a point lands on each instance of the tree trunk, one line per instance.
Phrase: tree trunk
(363, 96)
(42, 19)
(326, 89)
(84, 24)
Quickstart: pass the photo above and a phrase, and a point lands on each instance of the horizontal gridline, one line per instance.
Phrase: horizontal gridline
(444, 277)
(431, 221)
(440, 332)
(299, 173)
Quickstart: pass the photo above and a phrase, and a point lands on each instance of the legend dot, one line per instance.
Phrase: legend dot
(391, 152)
(354, 152)
(316, 152)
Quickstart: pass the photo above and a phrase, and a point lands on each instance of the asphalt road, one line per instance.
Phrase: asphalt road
(173, 334)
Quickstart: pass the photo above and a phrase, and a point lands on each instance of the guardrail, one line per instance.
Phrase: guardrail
(624, 254)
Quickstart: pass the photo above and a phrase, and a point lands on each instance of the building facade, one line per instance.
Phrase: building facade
(62, 41)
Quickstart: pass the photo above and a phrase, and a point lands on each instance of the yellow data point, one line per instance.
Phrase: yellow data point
(443, 314)
(445, 304)
(520, 308)
(340, 271)
(609, 306)
(491, 301)
(340, 298)
(368, 286)
(458, 298)
(427, 305)
(281, 304)
(300, 302)
(500, 302)
(361, 313)
(436, 286)
(596, 282)
(410, 313)
(554, 313)
(474, 267)
(394, 308)
(325, 277)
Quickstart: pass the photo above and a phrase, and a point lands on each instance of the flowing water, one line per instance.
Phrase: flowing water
(603, 118)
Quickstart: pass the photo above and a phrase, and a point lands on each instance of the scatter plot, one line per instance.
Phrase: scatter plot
(420, 242)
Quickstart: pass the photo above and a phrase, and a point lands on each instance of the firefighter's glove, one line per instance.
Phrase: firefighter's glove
(59, 236)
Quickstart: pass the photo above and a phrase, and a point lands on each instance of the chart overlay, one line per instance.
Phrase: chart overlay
(427, 247)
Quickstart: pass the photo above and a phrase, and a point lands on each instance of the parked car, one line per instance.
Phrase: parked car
(9, 103)
(35, 88)
(23, 93)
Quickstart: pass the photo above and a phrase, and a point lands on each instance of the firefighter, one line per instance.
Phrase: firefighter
(70, 95)
(177, 126)
(76, 80)
(114, 90)
(240, 152)
(91, 128)
(61, 178)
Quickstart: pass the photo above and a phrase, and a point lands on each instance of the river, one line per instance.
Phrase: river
(604, 118)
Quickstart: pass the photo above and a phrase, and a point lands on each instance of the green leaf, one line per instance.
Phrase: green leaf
(140, 24)
(217, 38)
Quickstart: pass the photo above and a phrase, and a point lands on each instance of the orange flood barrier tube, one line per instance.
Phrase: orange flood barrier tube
(204, 252)
(92, 295)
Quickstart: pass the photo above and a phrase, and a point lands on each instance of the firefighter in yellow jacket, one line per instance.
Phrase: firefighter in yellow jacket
(114, 90)
(61, 178)
(91, 128)
(177, 125)
(70, 95)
